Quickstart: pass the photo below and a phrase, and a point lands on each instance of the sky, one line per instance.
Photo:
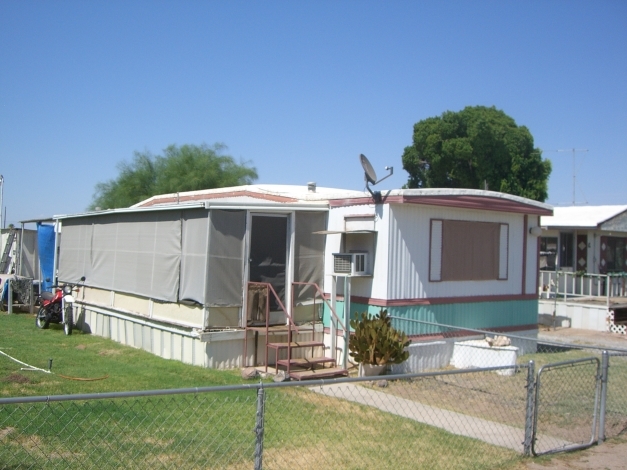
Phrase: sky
(300, 89)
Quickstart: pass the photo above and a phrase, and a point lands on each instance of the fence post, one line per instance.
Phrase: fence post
(605, 365)
(529, 410)
(31, 293)
(259, 428)
(9, 297)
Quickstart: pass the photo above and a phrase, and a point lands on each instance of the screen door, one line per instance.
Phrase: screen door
(268, 254)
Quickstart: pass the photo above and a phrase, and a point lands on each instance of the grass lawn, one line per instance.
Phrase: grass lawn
(302, 429)
(88, 357)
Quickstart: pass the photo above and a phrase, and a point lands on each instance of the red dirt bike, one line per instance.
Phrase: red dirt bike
(58, 307)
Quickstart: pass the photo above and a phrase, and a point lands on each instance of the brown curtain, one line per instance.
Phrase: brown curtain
(470, 250)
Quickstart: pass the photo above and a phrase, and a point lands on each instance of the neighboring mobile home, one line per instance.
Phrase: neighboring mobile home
(19, 265)
(172, 274)
(583, 262)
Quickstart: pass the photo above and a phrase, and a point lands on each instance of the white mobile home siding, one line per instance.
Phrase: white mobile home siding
(369, 286)
(409, 248)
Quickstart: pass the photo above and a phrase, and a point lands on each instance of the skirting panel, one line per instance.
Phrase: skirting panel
(433, 355)
(221, 351)
(165, 344)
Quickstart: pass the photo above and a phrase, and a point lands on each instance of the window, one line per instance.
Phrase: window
(468, 251)
(566, 250)
(548, 253)
(613, 254)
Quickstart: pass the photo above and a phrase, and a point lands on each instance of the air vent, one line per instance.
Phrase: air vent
(355, 264)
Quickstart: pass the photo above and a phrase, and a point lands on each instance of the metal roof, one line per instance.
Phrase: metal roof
(581, 216)
(277, 197)
(285, 194)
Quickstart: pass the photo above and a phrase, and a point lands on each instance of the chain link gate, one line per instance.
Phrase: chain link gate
(566, 406)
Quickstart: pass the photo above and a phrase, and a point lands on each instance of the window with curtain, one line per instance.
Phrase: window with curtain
(464, 250)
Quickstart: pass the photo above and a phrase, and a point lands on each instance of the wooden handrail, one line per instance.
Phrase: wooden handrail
(292, 326)
(291, 323)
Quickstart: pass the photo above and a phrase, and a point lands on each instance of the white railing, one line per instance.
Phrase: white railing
(566, 284)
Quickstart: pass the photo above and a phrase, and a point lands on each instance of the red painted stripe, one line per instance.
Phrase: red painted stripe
(459, 201)
(524, 254)
(436, 300)
(208, 196)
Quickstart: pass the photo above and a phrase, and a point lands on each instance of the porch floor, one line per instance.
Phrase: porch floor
(615, 302)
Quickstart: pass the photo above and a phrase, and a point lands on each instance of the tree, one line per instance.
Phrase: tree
(474, 148)
(184, 168)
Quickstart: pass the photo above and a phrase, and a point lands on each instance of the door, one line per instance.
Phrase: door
(267, 261)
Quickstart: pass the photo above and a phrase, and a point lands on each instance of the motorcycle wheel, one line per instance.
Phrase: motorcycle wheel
(67, 326)
(42, 320)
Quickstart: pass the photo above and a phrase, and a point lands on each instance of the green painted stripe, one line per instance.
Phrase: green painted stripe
(479, 315)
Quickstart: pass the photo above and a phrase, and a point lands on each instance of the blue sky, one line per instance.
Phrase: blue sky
(300, 89)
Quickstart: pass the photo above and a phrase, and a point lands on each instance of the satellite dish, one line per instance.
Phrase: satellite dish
(371, 176)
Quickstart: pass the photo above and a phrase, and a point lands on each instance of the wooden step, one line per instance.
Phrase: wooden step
(281, 329)
(313, 374)
(296, 344)
(306, 363)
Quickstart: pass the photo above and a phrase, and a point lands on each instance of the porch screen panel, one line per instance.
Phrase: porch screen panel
(29, 259)
(470, 250)
(225, 276)
(435, 255)
(75, 249)
(138, 253)
(309, 252)
(103, 253)
(195, 242)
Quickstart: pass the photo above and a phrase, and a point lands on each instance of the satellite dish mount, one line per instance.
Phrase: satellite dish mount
(370, 176)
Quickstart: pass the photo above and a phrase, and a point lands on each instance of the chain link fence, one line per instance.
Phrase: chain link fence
(552, 397)
(404, 422)
(566, 405)
(568, 390)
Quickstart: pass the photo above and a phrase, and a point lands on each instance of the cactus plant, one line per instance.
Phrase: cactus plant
(375, 341)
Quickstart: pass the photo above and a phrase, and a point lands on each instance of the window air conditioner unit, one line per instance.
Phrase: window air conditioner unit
(355, 264)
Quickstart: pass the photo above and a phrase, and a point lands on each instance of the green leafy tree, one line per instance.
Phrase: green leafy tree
(184, 168)
(474, 148)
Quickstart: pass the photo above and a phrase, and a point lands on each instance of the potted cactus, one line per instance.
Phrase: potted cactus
(375, 343)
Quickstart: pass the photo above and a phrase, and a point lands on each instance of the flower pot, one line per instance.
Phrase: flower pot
(369, 370)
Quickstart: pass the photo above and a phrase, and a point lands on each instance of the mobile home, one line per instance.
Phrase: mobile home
(179, 274)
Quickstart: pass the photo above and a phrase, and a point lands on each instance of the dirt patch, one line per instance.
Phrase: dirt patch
(16, 379)
(110, 352)
(159, 442)
(6, 431)
(81, 347)
(608, 456)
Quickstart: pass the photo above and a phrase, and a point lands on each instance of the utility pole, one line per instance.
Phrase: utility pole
(574, 169)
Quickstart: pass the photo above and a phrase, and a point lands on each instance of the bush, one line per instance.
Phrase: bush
(375, 341)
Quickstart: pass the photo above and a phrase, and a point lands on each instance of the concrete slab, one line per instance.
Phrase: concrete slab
(460, 424)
